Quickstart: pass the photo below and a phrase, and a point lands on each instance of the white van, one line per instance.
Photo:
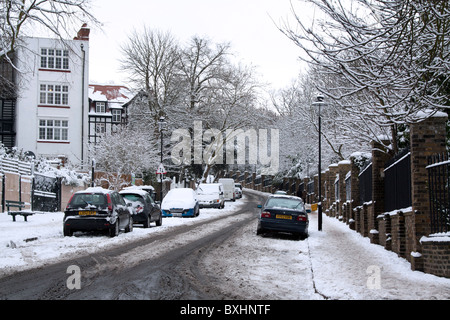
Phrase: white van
(228, 188)
(210, 195)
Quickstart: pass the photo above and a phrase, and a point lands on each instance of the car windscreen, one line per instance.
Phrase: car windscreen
(83, 199)
(286, 203)
(207, 189)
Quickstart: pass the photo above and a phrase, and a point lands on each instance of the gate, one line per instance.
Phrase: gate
(439, 187)
(46, 193)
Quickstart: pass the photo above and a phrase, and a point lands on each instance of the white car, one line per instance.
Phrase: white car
(180, 202)
(238, 192)
(210, 195)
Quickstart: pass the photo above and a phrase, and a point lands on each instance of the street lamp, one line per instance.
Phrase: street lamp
(319, 103)
(161, 124)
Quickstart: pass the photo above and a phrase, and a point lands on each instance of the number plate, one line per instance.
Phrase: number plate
(87, 213)
(283, 216)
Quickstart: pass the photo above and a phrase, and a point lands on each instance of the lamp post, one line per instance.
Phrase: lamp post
(161, 124)
(319, 103)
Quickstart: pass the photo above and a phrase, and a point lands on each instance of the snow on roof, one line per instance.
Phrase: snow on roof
(110, 92)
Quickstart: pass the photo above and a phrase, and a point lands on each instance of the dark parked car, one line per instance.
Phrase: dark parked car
(97, 209)
(145, 210)
(282, 213)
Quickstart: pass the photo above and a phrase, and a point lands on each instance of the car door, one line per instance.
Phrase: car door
(150, 206)
(122, 209)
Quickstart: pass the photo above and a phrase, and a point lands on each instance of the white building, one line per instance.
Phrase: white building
(52, 104)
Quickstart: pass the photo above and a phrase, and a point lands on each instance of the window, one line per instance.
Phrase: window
(54, 130)
(116, 115)
(51, 94)
(100, 127)
(55, 59)
(100, 107)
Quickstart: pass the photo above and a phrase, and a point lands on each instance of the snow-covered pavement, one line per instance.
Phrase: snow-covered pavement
(347, 266)
(336, 263)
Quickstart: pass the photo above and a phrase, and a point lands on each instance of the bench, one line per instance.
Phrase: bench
(20, 205)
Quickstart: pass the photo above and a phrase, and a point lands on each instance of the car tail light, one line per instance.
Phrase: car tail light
(265, 214)
(70, 200)
(139, 209)
(108, 197)
(302, 218)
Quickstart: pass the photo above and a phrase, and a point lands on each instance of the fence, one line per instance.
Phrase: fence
(439, 188)
(365, 183)
(397, 182)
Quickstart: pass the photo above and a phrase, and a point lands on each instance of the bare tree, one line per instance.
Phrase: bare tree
(20, 18)
(150, 57)
(391, 57)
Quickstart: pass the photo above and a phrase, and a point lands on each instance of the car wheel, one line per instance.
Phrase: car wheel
(129, 228)
(114, 229)
(67, 232)
(159, 221)
(259, 230)
(147, 222)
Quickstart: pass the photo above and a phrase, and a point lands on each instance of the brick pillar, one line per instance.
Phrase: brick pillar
(354, 180)
(427, 138)
(379, 158)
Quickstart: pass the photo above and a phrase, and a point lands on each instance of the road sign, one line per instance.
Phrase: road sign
(161, 169)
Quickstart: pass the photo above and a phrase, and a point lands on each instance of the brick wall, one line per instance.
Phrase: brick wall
(436, 256)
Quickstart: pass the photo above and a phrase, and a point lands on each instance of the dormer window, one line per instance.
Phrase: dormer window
(116, 115)
(100, 107)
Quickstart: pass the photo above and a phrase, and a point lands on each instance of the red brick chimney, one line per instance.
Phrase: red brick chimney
(83, 34)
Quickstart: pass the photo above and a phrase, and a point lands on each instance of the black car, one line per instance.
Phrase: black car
(145, 210)
(283, 213)
(97, 209)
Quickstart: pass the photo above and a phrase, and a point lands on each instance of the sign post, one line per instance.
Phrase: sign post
(161, 171)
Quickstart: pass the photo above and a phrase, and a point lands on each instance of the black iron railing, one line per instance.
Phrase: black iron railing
(439, 182)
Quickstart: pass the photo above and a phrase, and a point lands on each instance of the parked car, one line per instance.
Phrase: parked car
(210, 195)
(180, 202)
(280, 192)
(145, 210)
(238, 192)
(228, 188)
(97, 209)
(282, 213)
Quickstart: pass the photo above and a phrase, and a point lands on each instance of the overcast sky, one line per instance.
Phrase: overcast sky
(249, 25)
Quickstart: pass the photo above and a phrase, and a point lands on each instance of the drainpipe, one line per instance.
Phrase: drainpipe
(82, 104)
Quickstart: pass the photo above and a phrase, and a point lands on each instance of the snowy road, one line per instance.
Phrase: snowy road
(214, 256)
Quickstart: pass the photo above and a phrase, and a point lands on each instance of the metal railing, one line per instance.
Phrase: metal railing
(439, 188)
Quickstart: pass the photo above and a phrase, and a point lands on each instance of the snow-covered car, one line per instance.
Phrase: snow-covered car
(238, 192)
(145, 210)
(283, 213)
(180, 202)
(97, 209)
(210, 195)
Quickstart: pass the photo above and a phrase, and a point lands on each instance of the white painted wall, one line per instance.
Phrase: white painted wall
(28, 110)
